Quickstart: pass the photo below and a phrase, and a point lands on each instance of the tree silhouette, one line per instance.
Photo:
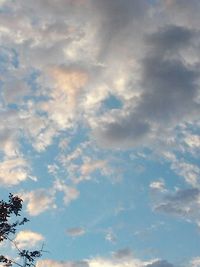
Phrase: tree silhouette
(8, 226)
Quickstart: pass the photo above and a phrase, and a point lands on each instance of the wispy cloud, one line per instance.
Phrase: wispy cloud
(75, 231)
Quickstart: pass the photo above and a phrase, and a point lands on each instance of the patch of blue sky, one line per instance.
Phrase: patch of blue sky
(38, 162)
(112, 102)
(37, 93)
(98, 218)
(15, 58)
(78, 135)
(1, 92)
(32, 79)
(152, 2)
(5, 6)
(8, 56)
(168, 241)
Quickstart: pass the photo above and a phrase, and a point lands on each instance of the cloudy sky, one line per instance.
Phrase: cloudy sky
(100, 129)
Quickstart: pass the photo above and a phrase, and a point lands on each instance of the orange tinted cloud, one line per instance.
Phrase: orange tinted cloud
(69, 83)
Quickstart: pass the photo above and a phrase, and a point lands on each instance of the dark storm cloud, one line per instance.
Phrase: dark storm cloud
(170, 38)
(124, 130)
(168, 91)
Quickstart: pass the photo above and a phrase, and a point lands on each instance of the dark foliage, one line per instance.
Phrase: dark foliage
(8, 227)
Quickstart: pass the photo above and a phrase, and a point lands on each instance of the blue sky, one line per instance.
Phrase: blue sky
(100, 130)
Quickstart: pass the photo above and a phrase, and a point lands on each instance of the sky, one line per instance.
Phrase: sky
(100, 130)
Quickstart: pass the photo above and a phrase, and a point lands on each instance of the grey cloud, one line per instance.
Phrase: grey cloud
(15, 90)
(124, 131)
(48, 7)
(122, 253)
(53, 263)
(119, 13)
(75, 231)
(80, 264)
(116, 21)
(160, 263)
(187, 195)
(183, 203)
(182, 12)
(170, 90)
(168, 94)
(170, 38)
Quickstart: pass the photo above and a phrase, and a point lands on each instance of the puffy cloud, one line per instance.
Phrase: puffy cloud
(187, 170)
(89, 167)
(171, 38)
(195, 262)
(41, 200)
(110, 263)
(70, 193)
(112, 37)
(158, 185)
(28, 239)
(69, 83)
(163, 103)
(13, 171)
(193, 141)
(97, 262)
(128, 262)
(38, 201)
(181, 12)
(114, 20)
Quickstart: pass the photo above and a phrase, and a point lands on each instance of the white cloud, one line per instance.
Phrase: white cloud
(195, 262)
(13, 171)
(28, 239)
(91, 166)
(189, 171)
(127, 262)
(193, 141)
(65, 95)
(106, 262)
(109, 263)
(70, 193)
(39, 201)
(110, 237)
(158, 185)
